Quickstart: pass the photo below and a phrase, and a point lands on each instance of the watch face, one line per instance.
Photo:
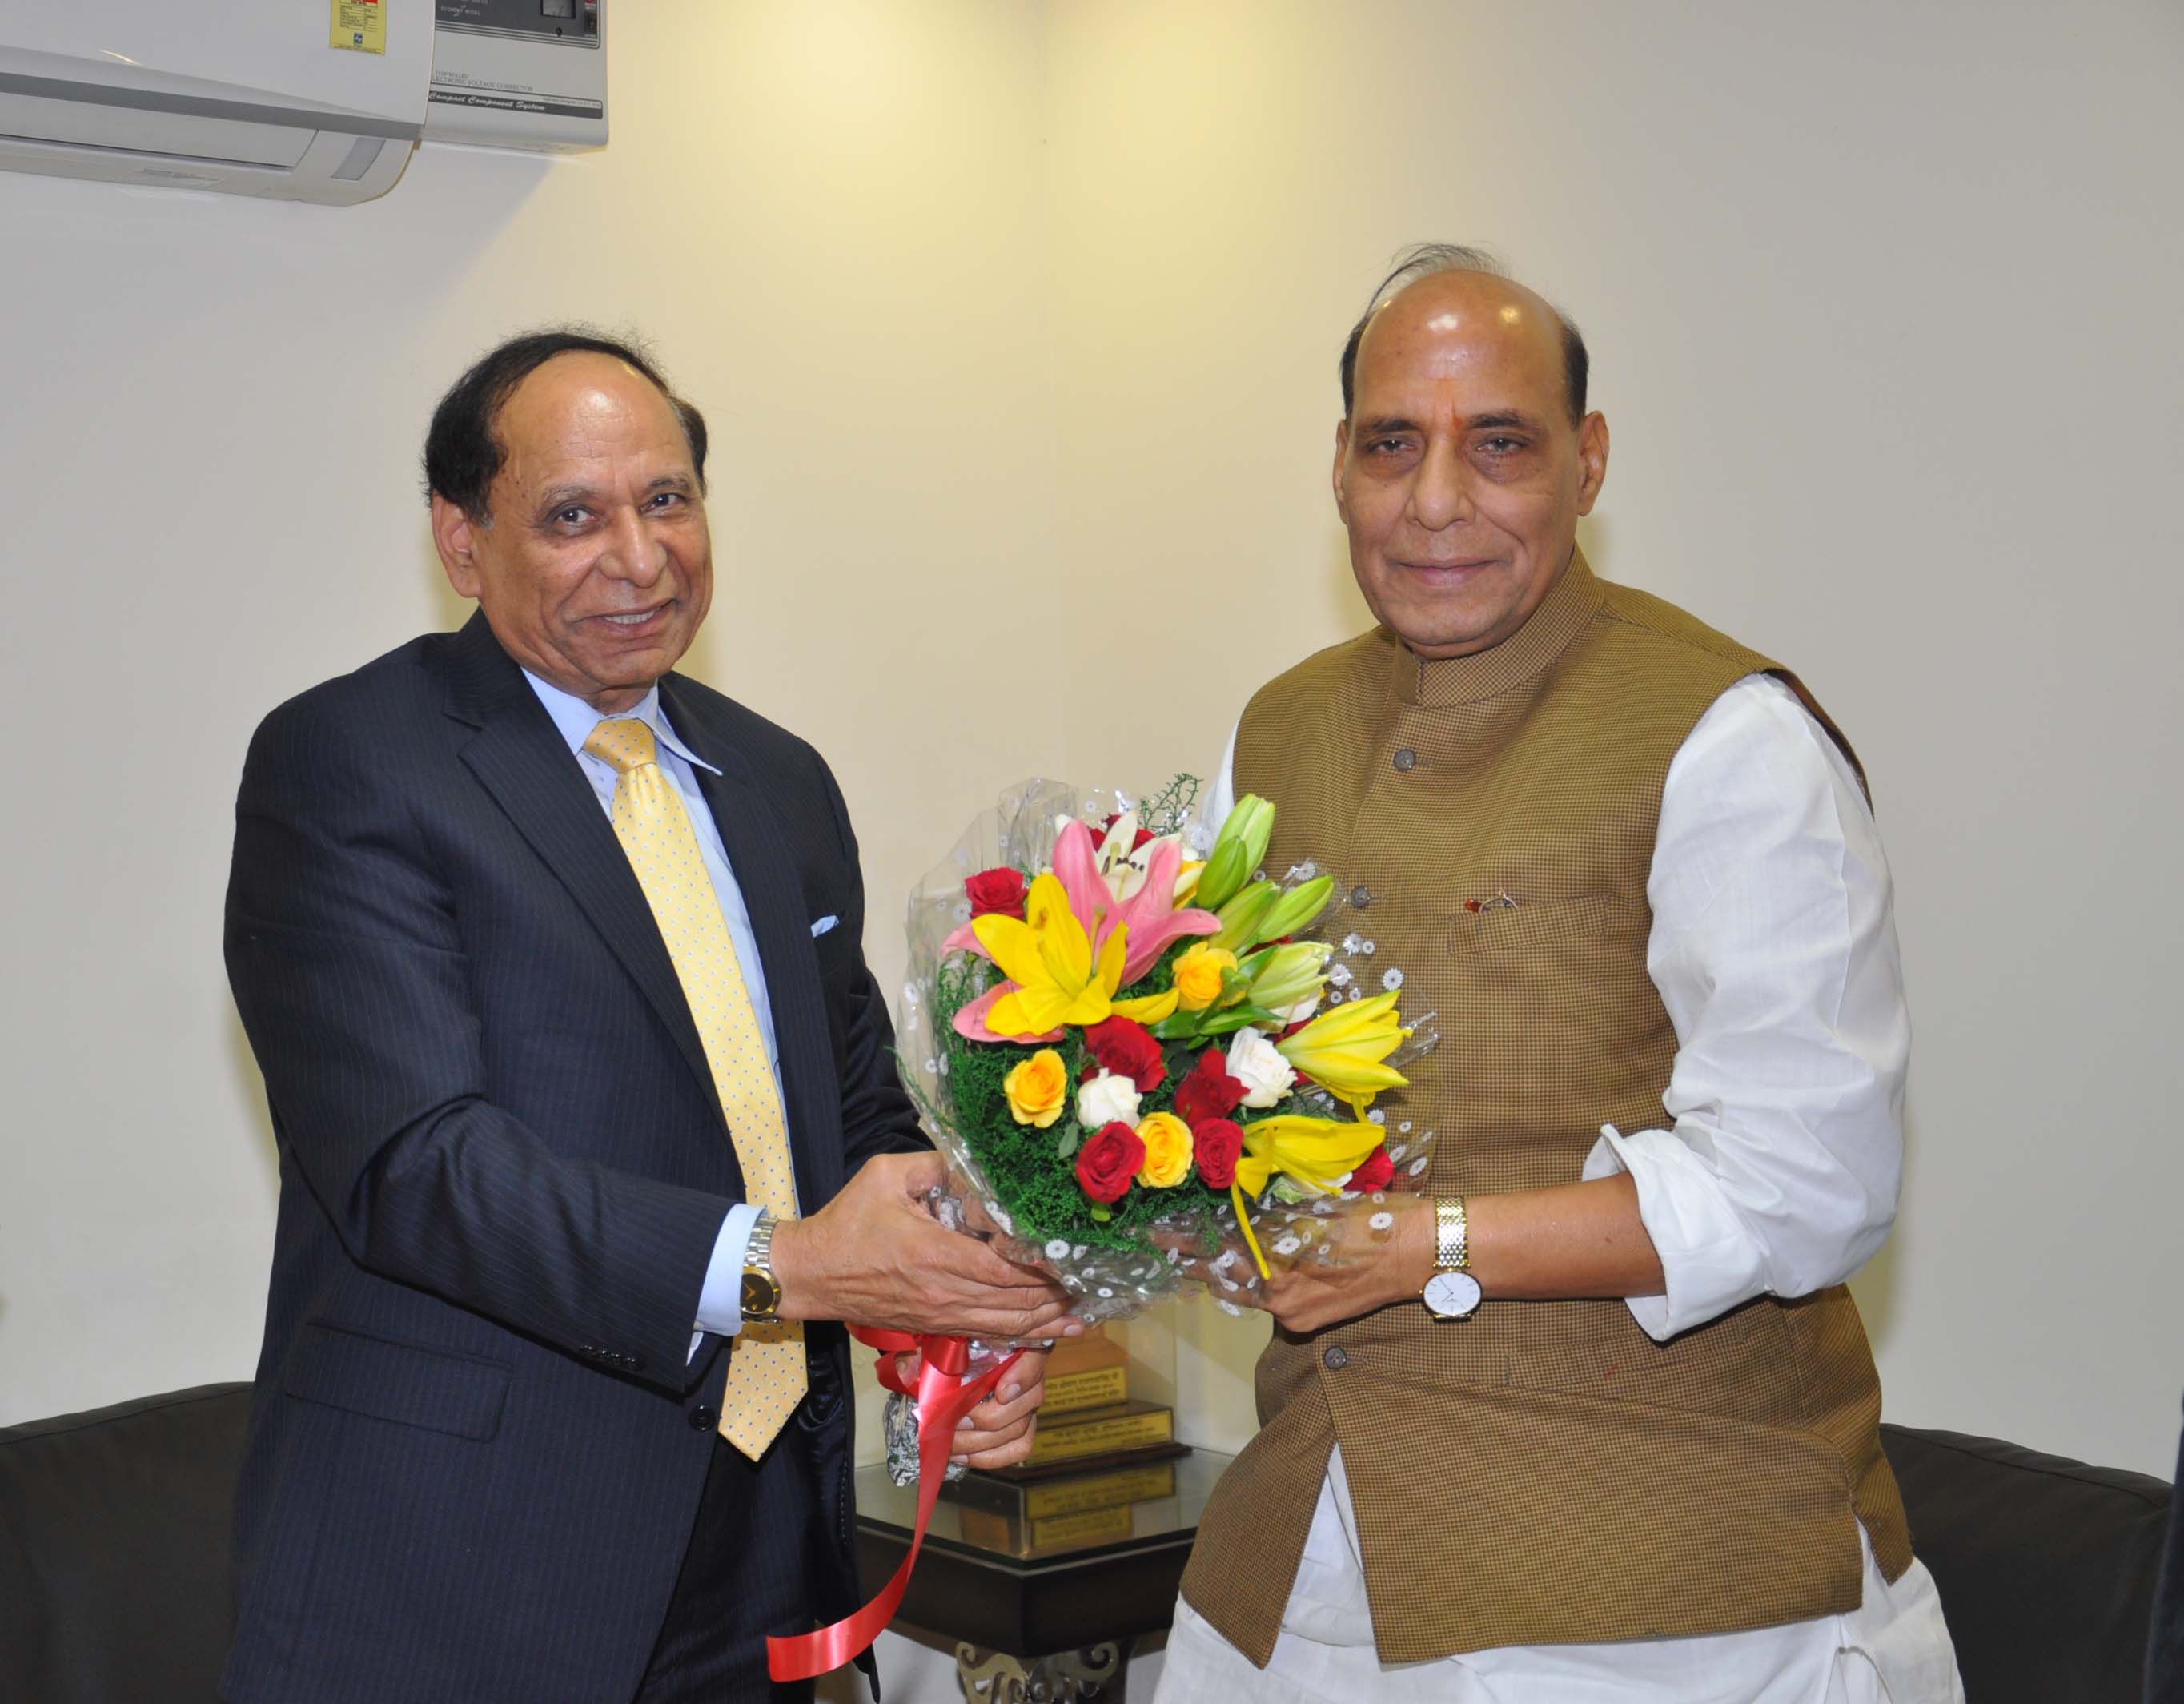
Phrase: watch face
(1451, 1295)
(761, 1293)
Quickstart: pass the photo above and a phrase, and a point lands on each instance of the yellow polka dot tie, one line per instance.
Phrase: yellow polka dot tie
(767, 1374)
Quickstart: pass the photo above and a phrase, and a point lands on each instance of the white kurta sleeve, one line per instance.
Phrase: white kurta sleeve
(1773, 948)
(1222, 798)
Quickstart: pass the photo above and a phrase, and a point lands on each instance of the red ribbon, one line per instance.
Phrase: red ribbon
(943, 1397)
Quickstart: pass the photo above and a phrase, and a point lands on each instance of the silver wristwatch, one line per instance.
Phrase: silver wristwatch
(761, 1290)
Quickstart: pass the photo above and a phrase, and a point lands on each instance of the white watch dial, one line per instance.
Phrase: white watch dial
(1451, 1295)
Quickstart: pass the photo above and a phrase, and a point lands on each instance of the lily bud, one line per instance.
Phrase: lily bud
(1297, 908)
(1241, 915)
(1283, 975)
(1223, 874)
(1237, 850)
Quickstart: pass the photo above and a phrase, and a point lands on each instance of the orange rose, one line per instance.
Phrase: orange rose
(1167, 1150)
(1038, 1089)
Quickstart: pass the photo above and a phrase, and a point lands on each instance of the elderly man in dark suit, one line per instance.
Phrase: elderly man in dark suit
(588, 1126)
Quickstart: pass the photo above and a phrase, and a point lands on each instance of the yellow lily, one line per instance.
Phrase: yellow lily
(1048, 956)
(1150, 1008)
(1342, 1048)
(1315, 1153)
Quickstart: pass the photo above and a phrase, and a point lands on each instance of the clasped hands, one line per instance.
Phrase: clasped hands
(875, 1255)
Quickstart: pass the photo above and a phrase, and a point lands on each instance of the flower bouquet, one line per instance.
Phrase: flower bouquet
(1144, 1066)
(1146, 1062)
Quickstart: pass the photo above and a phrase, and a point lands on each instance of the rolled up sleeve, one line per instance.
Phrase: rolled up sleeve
(1773, 948)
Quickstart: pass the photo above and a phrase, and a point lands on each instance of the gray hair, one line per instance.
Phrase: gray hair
(1428, 259)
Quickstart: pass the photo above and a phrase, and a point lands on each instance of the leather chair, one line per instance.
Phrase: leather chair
(113, 1550)
(114, 1557)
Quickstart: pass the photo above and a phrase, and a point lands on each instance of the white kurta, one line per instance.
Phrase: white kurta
(1774, 949)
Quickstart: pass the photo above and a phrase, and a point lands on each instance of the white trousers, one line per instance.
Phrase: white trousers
(1892, 1649)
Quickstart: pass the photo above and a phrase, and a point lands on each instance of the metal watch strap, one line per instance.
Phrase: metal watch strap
(1452, 1234)
(758, 1251)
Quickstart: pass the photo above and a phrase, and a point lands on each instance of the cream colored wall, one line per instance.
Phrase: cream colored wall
(1017, 327)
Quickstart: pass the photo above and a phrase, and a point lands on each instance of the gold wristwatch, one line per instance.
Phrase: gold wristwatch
(1451, 1293)
(761, 1290)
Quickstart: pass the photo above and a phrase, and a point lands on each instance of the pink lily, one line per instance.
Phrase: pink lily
(1150, 914)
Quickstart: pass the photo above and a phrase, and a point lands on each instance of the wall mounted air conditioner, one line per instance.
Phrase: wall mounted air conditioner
(297, 100)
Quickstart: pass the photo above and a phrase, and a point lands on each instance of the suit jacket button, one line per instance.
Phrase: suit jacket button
(1407, 759)
(1337, 1358)
(702, 1419)
(1361, 897)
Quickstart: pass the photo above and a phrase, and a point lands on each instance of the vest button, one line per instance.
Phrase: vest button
(1361, 897)
(703, 1418)
(1407, 759)
(1337, 1358)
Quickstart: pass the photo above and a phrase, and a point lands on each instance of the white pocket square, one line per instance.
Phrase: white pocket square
(819, 925)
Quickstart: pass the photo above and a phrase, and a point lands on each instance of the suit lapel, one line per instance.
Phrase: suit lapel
(758, 852)
(521, 759)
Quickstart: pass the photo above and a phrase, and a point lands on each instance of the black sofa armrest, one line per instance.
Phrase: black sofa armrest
(2046, 1567)
(114, 1538)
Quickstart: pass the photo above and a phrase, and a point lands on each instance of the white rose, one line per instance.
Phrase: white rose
(1107, 1099)
(1253, 1062)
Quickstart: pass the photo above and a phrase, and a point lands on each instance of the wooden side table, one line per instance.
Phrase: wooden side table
(1057, 1626)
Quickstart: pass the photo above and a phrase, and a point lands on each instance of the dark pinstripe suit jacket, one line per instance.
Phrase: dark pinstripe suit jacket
(476, 1444)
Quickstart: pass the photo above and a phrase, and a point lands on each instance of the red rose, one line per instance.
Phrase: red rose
(1215, 1145)
(997, 893)
(1127, 1047)
(1209, 1091)
(1107, 1163)
(1376, 1172)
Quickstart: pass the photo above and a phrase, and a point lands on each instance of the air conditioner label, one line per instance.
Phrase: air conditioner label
(360, 27)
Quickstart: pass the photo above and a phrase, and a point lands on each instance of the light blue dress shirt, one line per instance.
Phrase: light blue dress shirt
(720, 1302)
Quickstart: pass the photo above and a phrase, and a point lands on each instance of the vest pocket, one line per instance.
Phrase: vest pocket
(1550, 927)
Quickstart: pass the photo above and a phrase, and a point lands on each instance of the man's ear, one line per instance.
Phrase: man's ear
(1592, 460)
(454, 536)
(1341, 454)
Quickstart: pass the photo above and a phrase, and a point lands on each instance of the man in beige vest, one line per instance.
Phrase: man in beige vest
(1598, 1420)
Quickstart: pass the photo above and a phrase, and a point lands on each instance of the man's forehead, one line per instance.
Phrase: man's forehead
(594, 408)
(1458, 325)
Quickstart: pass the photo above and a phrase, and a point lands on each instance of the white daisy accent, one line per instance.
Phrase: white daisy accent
(1058, 1249)
(1287, 1245)
(1391, 979)
(1418, 1166)
(1382, 1222)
